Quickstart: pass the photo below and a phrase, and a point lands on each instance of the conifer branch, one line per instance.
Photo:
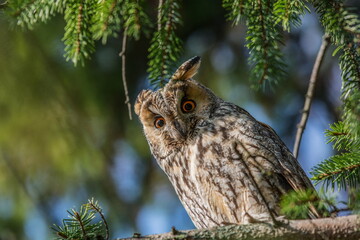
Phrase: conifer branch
(341, 170)
(96, 207)
(108, 21)
(81, 224)
(165, 46)
(235, 8)
(310, 94)
(123, 72)
(288, 12)
(28, 13)
(341, 137)
(263, 39)
(78, 37)
(136, 20)
(301, 204)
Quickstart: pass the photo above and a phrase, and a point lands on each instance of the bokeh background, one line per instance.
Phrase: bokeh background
(65, 134)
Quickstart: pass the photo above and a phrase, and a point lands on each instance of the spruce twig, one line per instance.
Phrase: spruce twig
(165, 46)
(95, 206)
(81, 225)
(78, 218)
(310, 94)
(123, 71)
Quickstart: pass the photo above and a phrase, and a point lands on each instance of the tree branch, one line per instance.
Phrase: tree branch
(123, 71)
(347, 227)
(310, 94)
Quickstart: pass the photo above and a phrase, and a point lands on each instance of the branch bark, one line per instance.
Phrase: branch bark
(310, 94)
(347, 227)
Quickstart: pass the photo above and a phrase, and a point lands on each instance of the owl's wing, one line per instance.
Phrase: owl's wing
(263, 149)
(266, 158)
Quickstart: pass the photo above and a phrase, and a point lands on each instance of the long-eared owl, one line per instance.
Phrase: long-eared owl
(226, 167)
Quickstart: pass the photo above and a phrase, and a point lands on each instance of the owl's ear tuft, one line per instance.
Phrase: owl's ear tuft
(187, 70)
(143, 95)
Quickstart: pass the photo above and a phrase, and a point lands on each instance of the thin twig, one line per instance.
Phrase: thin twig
(123, 71)
(99, 210)
(337, 210)
(78, 218)
(310, 94)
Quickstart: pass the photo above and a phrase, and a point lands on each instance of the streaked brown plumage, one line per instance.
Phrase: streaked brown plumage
(225, 166)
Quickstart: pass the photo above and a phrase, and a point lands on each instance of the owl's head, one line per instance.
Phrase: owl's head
(171, 116)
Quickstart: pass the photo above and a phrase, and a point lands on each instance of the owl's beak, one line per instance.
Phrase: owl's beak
(180, 127)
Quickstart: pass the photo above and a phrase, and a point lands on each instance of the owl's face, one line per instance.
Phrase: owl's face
(172, 116)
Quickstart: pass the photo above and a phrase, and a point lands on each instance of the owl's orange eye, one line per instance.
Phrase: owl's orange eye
(188, 106)
(159, 122)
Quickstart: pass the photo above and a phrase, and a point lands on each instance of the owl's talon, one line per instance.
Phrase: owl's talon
(227, 224)
(281, 220)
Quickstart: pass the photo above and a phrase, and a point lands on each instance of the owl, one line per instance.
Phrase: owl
(226, 167)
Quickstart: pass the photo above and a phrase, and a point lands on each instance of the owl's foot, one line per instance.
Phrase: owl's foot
(227, 224)
(277, 221)
(281, 220)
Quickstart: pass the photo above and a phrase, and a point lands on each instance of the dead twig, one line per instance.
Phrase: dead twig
(123, 72)
(310, 94)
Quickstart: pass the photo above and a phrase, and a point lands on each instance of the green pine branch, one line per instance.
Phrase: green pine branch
(289, 12)
(30, 12)
(340, 170)
(344, 28)
(108, 20)
(263, 37)
(235, 9)
(166, 46)
(299, 204)
(350, 65)
(340, 137)
(78, 38)
(338, 21)
(263, 40)
(81, 224)
(136, 20)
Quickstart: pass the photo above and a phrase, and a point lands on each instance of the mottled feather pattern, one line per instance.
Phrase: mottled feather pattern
(225, 166)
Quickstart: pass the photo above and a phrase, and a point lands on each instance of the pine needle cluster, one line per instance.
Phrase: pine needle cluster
(81, 224)
(165, 45)
(298, 204)
(343, 26)
(86, 21)
(341, 170)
